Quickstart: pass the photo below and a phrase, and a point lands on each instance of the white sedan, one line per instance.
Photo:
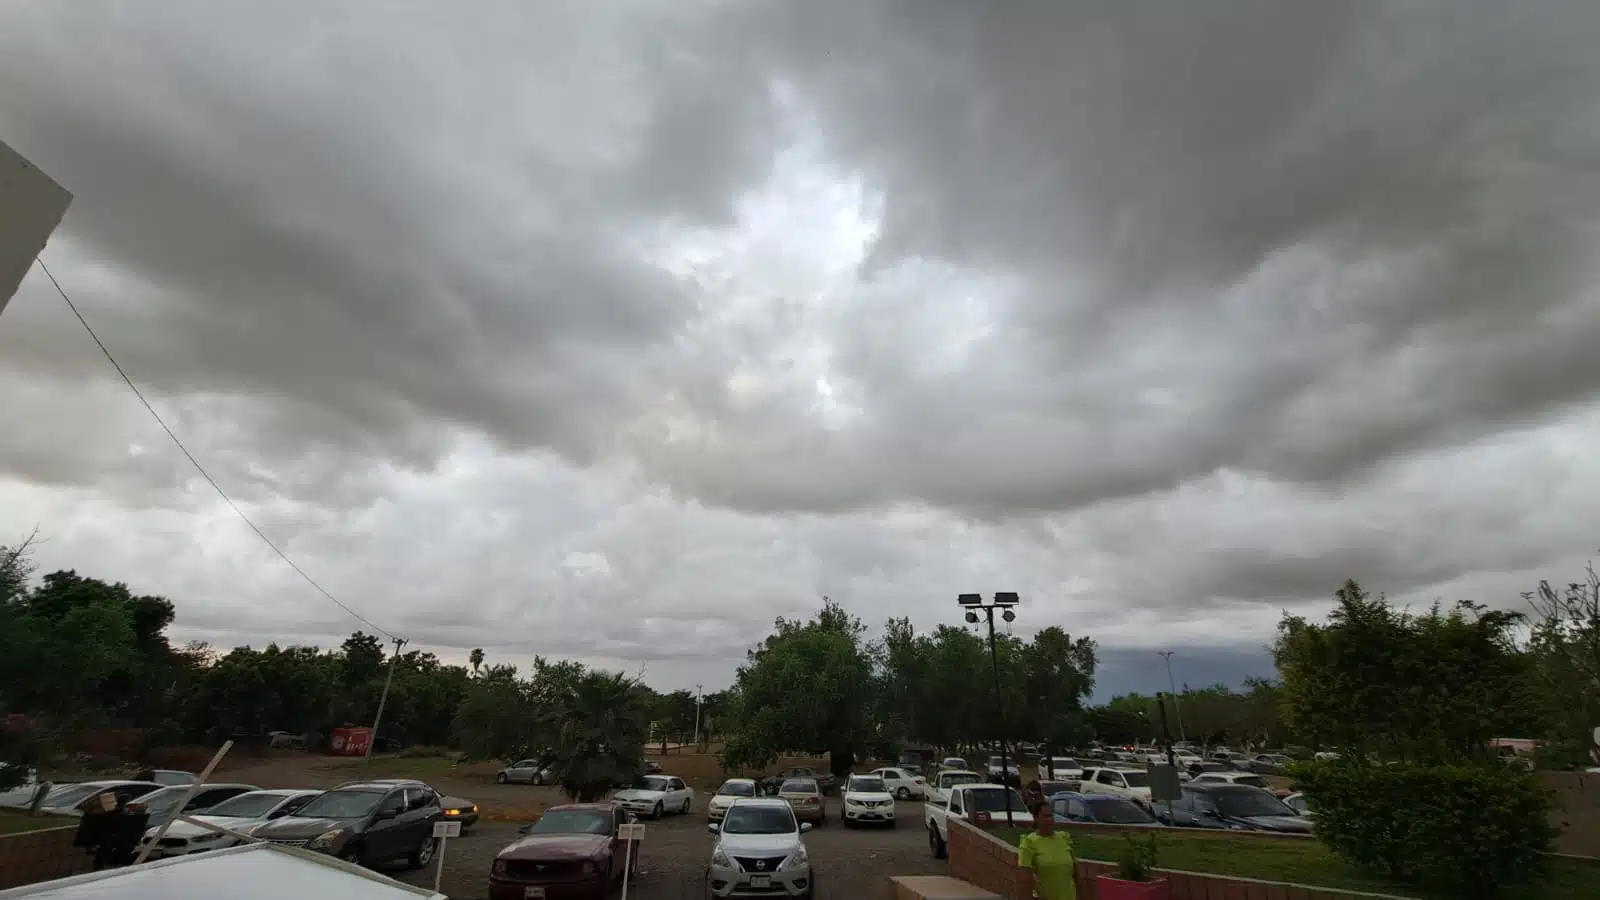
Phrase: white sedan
(656, 795)
(241, 814)
(903, 784)
(731, 790)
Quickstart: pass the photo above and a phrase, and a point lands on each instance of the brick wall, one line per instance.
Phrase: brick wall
(990, 863)
(41, 856)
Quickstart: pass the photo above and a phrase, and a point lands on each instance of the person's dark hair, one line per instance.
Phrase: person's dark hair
(1033, 785)
(1037, 805)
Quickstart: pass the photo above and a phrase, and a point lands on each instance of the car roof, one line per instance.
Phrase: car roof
(582, 807)
(1220, 787)
(738, 781)
(762, 801)
(368, 786)
(957, 772)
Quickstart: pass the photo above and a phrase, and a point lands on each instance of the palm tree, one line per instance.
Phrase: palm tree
(476, 658)
(601, 735)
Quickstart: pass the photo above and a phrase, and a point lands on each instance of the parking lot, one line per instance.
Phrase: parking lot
(848, 863)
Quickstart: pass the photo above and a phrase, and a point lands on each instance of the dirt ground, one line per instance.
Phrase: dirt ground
(849, 863)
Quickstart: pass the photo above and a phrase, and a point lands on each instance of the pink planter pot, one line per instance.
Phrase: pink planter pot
(1107, 887)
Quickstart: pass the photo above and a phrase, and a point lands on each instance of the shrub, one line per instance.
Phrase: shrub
(1469, 830)
(1137, 859)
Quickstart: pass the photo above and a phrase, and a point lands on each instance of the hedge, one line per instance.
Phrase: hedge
(1468, 830)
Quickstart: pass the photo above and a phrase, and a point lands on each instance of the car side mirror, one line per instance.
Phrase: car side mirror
(387, 814)
(805, 827)
(713, 827)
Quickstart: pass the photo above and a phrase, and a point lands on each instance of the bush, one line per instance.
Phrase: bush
(424, 751)
(1468, 830)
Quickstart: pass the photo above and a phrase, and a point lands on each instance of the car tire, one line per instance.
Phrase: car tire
(659, 811)
(424, 852)
(936, 843)
(501, 778)
(688, 803)
(902, 793)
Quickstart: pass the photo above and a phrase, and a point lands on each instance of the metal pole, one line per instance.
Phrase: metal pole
(438, 872)
(188, 795)
(1166, 736)
(382, 699)
(698, 699)
(1167, 655)
(1000, 710)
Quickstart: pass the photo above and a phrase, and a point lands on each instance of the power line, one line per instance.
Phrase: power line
(199, 468)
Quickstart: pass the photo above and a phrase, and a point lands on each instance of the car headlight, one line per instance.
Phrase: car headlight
(499, 867)
(796, 860)
(721, 860)
(326, 840)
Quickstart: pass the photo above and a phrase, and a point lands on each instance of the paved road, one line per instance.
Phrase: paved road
(849, 863)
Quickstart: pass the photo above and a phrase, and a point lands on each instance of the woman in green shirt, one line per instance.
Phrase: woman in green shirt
(1048, 853)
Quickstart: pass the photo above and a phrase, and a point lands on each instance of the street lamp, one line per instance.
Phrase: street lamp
(1167, 655)
(1003, 601)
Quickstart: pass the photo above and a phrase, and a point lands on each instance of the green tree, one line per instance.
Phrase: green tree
(600, 721)
(1564, 654)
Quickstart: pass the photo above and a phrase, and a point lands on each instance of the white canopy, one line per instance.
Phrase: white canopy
(247, 872)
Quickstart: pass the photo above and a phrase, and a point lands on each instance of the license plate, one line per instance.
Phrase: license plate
(760, 881)
(533, 893)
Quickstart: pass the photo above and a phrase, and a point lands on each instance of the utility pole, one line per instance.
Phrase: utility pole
(1002, 601)
(382, 699)
(699, 698)
(1173, 685)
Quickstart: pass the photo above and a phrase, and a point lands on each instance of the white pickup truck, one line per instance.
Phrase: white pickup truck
(985, 803)
(944, 781)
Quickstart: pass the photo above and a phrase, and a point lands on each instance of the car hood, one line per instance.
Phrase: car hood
(759, 844)
(294, 828)
(1293, 824)
(640, 794)
(868, 796)
(721, 800)
(456, 803)
(557, 847)
(186, 830)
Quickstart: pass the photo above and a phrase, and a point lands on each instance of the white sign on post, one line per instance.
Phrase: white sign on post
(444, 831)
(633, 833)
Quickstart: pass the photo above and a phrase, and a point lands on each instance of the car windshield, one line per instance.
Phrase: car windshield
(1117, 811)
(653, 783)
(573, 821)
(1246, 804)
(993, 800)
(737, 789)
(342, 805)
(962, 778)
(798, 786)
(747, 819)
(1137, 779)
(867, 785)
(247, 806)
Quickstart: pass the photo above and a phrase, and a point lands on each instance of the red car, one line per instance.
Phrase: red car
(572, 852)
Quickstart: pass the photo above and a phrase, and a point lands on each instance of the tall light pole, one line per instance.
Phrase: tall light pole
(1167, 655)
(1004, 601)
(699, 697)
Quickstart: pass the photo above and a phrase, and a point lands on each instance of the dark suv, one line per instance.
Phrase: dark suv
(364, 822)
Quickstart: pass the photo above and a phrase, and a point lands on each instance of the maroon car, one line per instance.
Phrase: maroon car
(572, 852)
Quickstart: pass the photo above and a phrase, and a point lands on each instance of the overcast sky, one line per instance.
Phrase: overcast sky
(614, 330)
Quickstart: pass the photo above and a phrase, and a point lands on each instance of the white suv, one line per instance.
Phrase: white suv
(1129, 784)
(759, 852)
(867, 799)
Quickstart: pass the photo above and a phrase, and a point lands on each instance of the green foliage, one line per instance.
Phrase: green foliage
(600, 739)
(1467, 830)
(1208, 715)
(1138, 858)
(1426, 688)
(1565, 672)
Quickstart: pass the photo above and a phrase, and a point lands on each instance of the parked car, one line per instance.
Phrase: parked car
(1009, 773)
(1297, 802)
(805, 798)
(1127, 783)
(759, 851)
(364, 823)
(1104, 809)
(523, 771)
(1236, 807)
(573, 851)
(731, 790)
(948, 779)
(171, 777)
(651, 767)
(1051, 788)
(455, 809)
(1249, 779)
(163, 805)
(241, 814)
(903, 783)
(1270, 763)
(970, 802)
(1066, 769)
(825, 780)
(72, 799)
(953, 762)
(655, 795)
(867, 800)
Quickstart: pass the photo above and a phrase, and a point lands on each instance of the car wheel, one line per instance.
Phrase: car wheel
(424, 853)
(659, 811)
(687, 803)
(501, 778)
(352, 855)
(902, 793)
(936, 843)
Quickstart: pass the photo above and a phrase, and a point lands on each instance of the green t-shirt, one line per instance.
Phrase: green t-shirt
(1051, 857)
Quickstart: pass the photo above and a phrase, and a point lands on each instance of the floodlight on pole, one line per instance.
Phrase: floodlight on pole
(1002, 601)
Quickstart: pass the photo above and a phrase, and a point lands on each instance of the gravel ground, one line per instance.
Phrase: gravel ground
(848, 863)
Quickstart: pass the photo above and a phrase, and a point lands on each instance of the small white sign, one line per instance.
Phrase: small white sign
(631, 832)
(446, 829)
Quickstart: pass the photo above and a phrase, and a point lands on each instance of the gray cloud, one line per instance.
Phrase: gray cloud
(619, 331)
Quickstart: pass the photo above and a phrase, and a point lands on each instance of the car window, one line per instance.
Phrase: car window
(575, 821)
(417, 798)
(395, 801)
(523, 764)
(1106, 776)
(1076, 808)
(1207, 779)
(1060, 808)
(676, 785)
(655, 783)
(798, 786)
(737, 789)
(955, 802)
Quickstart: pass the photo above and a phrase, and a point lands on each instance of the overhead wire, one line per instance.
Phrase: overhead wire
(202, 469)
